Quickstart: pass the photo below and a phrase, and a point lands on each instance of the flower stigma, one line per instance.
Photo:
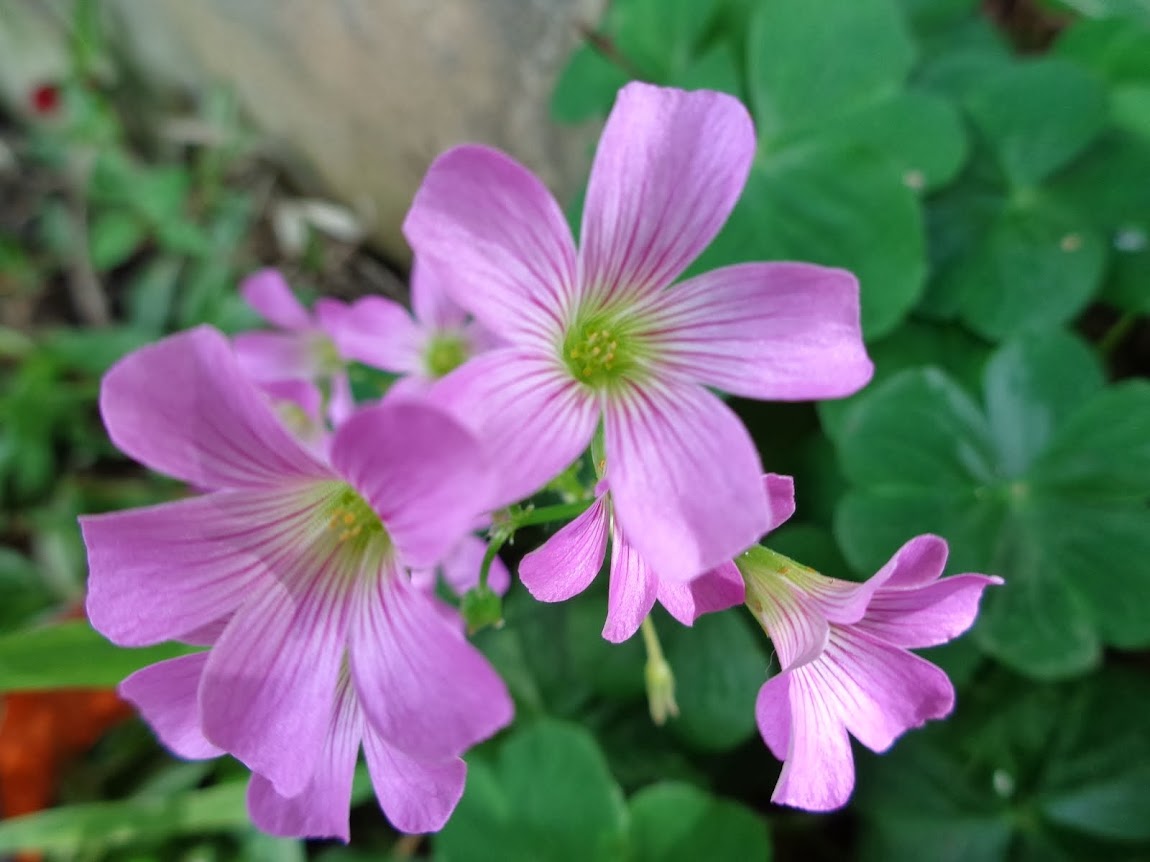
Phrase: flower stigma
(444, 353)
(602, 350)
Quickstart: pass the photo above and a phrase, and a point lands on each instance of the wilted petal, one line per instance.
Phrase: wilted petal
(498, 240)
(774, 331)
(165, 695)
(182, 406)
(422, 472)
(685, 477)
(668, 171)
(416, 795)
(566, 563)
(160, 572)
(424, 688)
(268, 691)
(268, 293)
(532, 418)
(321, 809)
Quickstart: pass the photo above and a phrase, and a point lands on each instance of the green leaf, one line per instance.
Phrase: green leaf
(658, 37)
(1044, 483)
(93, 351)
(718, 69)
(921, 133)
(1037, 267)
(1130, 106)
(913, 345)
(839, 206)
(1037, 116)
(113, 236)
(152, 294)
(719, 667)
(1022, 771)
(674, 822)
(100, 825)
(587, 86)
(1135, 10)
(1113, 48)
(548, 798)
(71, 655)
(864, 54)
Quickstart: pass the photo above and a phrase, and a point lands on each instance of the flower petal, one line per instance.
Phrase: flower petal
(714, 590)
(818, 770)
(780, 492)
(416, 795)
(773, 714)
(775, 331)
(498, 240)
(424, 688)
(422, 472)
(161, 572)
(797, 628)
(268, 293)
(431, 300)
(183, 407)
(461, 567)
(926, 616)
(632, 590)
(165, 695)
(685, 477)
(269, 688)
(668, 171)
(879, 691)
(271, 356)
(566, 563)
(322, 808)
(378, 332)
(533, 420)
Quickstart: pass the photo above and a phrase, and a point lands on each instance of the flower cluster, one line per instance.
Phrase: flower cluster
(306, 562)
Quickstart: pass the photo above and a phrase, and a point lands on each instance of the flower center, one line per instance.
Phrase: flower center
(325, 355)
(602, 349)
(444, 353)
(354, 523)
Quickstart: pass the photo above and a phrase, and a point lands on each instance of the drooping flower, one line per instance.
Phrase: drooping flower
(566, 564)
(597, 334)
(422, 347)
(294, 570)
(304, 349)
(845, 666)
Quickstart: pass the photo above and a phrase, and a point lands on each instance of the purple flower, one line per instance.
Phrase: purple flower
(304, 349)
(846, 668)
(423, 347)
(598, 335)
(566, 564)
(294, 570)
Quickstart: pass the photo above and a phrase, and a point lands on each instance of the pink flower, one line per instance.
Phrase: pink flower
(566, 564)
(845, 665)
(294, 570)
(423, 347)
(304, 349)
(598, 335)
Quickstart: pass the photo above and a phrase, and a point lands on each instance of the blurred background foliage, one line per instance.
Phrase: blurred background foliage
(983, 167)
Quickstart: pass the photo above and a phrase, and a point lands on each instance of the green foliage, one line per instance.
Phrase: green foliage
(1043, 483)
(1022, 771)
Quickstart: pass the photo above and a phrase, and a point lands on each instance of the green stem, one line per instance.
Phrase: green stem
(526, 518)
(1117, 332)
(660, 679)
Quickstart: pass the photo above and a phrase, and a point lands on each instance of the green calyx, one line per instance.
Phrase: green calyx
(602, 349)
(444, 353)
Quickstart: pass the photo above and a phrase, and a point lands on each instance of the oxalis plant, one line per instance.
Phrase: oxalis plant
(317, 560)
